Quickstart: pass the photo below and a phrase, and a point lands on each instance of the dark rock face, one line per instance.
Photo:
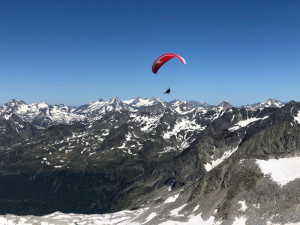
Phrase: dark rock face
(129, 156)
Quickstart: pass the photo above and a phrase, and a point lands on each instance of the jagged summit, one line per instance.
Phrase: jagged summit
(141, 102)
(15, 101)
(269, 103)
(224, 105)
(272, 103)
(46, 115)
(198, 104)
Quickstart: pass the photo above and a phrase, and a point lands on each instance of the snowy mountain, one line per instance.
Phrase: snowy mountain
(40, 114)
(270, 103)
(140, 102)
(146, 161)
(43, 115)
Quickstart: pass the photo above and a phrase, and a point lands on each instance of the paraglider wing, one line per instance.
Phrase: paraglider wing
(161, 60)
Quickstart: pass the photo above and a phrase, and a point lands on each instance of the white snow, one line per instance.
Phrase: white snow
(214, 163)
(244, 123)
(119, 218)
(256, 205)
(171, 198)
(175, 212)
(282, 171)
(178, 103)
(7, 116)
(147, 123)
(197, 207)
(123, 145)
(182, 108)
(193, 220)
(269, 103)
(58, 166)
(239, 221)
(232, 118)
(61, 114)
(297, 118)
(106, 132)
(128, 137)
(183, 124)
(150, 217)
(243, 205)
(138, 102)
(56, 114)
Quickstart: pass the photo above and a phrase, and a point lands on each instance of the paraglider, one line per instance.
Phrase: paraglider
(161, 60)
(167, 91)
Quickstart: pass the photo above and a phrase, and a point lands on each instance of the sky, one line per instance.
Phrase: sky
(75, 52)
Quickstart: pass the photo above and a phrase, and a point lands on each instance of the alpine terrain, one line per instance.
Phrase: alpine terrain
(146, 161)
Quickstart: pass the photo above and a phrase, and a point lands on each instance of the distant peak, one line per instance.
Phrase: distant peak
(115, 99)
(225, 103)
(15, 101)
(272, 100)
(156, 99)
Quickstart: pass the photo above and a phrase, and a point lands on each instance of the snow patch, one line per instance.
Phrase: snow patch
(282, 171)
(297, 118)
(214, 163)
(239, 221)
(147, 123)
(197, 207)
(118, 218)
(244, 123)
(171, 199)
(193, 220)
(175, 212)
(183, 124)
(150, 217)
(243, 205)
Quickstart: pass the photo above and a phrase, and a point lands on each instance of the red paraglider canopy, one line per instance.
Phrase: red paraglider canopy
(161, 60)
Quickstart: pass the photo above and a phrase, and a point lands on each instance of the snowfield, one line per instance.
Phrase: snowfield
(282, 171)
(226, 155)
(244, 123)
(125, 217)
(183, 124)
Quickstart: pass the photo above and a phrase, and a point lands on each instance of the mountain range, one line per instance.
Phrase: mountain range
(167, 162)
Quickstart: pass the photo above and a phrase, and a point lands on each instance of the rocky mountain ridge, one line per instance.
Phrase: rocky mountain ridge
(165, 161)
(43, 115)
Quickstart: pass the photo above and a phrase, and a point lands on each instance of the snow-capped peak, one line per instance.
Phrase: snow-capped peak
(140, 102)
(116, 103)
(182, 107)
(197, 104)
(16, 102)
(224, 105)
(270, 103)
(11, 106)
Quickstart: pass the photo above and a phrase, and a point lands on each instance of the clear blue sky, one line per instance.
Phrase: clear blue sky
(75, 52)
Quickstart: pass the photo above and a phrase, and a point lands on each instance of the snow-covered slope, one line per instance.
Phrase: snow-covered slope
(272, 103)
(140, 102)
(282, 170)
(97, 109)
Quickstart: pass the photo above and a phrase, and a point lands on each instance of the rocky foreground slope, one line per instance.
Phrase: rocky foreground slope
(181, 161)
